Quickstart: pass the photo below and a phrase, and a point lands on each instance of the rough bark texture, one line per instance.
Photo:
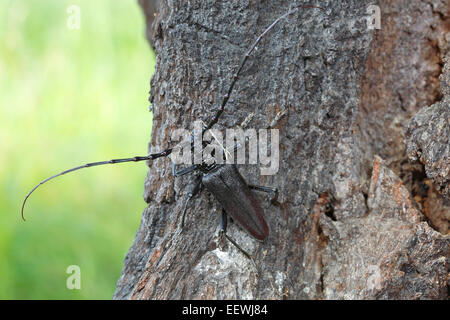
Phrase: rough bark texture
(429, 137)
(352, 221)
(428, 141)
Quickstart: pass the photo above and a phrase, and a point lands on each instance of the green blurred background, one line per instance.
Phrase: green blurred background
(69, 97)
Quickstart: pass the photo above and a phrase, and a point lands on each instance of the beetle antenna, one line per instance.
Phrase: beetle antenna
(93, 164)
(215, 118)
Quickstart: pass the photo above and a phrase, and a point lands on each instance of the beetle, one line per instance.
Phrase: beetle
(223, 181)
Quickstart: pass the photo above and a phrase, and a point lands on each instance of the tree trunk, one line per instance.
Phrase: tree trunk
(355, 219)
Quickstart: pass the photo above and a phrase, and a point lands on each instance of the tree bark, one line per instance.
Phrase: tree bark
(352, 218)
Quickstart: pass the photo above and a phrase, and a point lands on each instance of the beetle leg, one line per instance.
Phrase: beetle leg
(266, 189)
(183, 171)
(223, 233)
(263, 188)
(194, 191)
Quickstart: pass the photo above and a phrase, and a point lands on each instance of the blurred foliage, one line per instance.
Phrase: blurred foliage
(69, 97)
